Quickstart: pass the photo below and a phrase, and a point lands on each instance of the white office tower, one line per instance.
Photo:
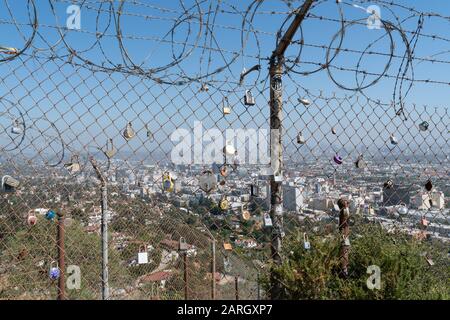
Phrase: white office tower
(292, 197)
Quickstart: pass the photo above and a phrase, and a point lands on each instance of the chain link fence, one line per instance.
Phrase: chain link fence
(186, 165)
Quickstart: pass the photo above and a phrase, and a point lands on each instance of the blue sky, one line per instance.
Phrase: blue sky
(99, 105)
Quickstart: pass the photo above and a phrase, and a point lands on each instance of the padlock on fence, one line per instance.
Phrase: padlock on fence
(167, 182)
(346, 241)
(50, 215)
(224, 204)
(338, 159)
(224, 171)
(129, 133)
(110, 151)
(226, 106)
(402, 209)
(267, 220)
(304, 101)
(182, 244)
(423, 126)
(393, 139)
(300, 138)
(229, 149)
(424, 222)
(31, 218)
(245, 214)
(54, 272)
(360, 163)
(204, 88)
(149, 133)
(9, 184)
(333, 131)
(249, 99)
(389, 184)
(142, 255)
(74, 165)
(16, 128)
(306, 243)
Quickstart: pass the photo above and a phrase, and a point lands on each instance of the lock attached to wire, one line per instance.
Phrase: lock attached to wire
(226, 106)
(129, 133)
(182, 245)
(300, 138)
(304, 101)
(267, 220)
(17, 127)
(9, 50)
(149, 133)
(393, 139)
(306, 243)
(110, 150)
(423, 126)
(360, 163)
(167, 182)
(224, 204)
(249, 99)
(54, 271)
(9, 184)
(74, 165)
(338, 159)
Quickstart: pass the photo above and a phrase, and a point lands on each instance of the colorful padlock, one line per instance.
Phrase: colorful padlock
(50, 215)
(338, 159)
(31, 219)
(167, 182)
(54, 271)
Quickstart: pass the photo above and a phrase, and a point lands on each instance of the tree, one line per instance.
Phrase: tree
(405, 274)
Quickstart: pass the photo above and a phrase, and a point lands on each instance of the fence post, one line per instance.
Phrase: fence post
(276, 149)
(344, 230)
(61, 257)
(236, 286)
(104, 230)
(185, 264)
(258, 288)
(213, 269)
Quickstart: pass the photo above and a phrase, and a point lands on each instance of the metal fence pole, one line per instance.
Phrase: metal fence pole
(236, 286)
(104, 230)
(105, 274)
(276, 109)
(213, 270)
(344, 230)
(258, 288)
(185, 262)
(61, 257)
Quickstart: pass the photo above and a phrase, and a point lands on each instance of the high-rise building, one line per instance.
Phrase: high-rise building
(292, 197)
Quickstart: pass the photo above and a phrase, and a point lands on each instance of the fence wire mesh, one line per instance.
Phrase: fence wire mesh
(152, 98)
